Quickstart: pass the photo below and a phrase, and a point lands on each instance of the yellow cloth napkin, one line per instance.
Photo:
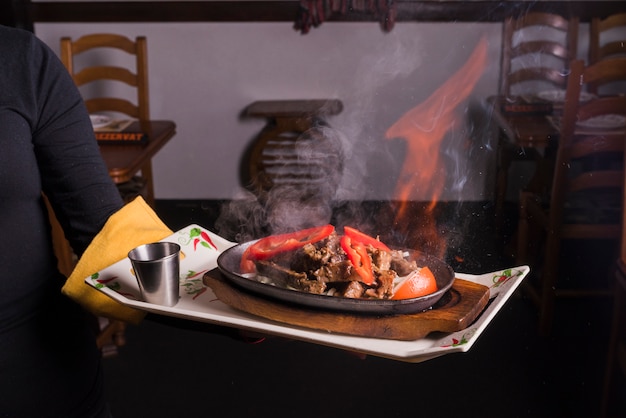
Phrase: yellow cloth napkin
(133, 225)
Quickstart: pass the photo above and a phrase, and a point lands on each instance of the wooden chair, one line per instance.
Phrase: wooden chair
(536, 47)
(97, 81)
(607, 38)
(137, 78)
(536, 50)
(587, 186)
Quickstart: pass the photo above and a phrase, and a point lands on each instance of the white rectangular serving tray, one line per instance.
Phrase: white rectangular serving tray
(199, 251)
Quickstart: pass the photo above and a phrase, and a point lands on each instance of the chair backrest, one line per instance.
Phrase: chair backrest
(607, 39)
(99, 99)
(297, 148)
(536, 47)
(590, 156)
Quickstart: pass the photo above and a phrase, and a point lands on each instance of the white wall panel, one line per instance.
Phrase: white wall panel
(202, 75)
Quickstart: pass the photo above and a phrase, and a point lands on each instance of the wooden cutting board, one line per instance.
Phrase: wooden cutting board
(455, 311)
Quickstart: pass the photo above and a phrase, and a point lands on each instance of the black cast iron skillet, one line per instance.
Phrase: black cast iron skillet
(229, 261)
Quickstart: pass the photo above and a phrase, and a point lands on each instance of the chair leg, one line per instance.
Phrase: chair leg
(146, 173)
(609, 395)
(548, 284)
(521, 256)
(111, 336)
(502, 172)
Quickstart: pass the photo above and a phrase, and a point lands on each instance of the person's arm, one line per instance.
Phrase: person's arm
(73, 174)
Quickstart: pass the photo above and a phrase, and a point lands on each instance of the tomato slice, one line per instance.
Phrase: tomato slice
(360, 259)
(419, 283)
(358, 236)
(273, 245)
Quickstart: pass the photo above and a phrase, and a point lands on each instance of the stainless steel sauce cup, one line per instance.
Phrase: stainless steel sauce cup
(157, 269)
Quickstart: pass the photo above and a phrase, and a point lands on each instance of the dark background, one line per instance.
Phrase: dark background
(187, 369)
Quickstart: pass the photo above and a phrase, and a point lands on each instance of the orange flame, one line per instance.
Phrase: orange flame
(424, 128)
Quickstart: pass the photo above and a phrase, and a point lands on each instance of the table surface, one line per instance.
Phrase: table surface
(125, 160)
(525, 129)
(294, 108)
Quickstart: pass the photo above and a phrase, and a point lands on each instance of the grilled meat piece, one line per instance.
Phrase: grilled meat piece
(324, 261)
(381, 260)
(401, 265)
(341, 271)
(289, 278)
(353, 290)
(385, 285)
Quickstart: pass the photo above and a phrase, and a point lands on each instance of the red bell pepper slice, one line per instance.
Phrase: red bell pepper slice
(358, 236)
(273, 245)
(360, 259)
(246, 265)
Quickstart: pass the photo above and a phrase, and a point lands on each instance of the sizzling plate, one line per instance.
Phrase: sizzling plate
(229, 261)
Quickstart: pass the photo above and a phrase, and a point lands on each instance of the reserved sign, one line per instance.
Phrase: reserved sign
(121, 137)
(531, 108)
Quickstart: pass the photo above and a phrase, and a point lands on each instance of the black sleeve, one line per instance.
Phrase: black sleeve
(73, 174)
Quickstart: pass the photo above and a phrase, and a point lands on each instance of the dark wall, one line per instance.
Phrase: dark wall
(16, 13)
(7, 14)
(25, 13)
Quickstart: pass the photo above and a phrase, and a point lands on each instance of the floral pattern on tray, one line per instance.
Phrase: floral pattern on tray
(199, 251)
(498, 279)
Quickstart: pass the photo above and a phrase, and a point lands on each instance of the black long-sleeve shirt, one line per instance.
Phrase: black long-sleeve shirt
(49, 365)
